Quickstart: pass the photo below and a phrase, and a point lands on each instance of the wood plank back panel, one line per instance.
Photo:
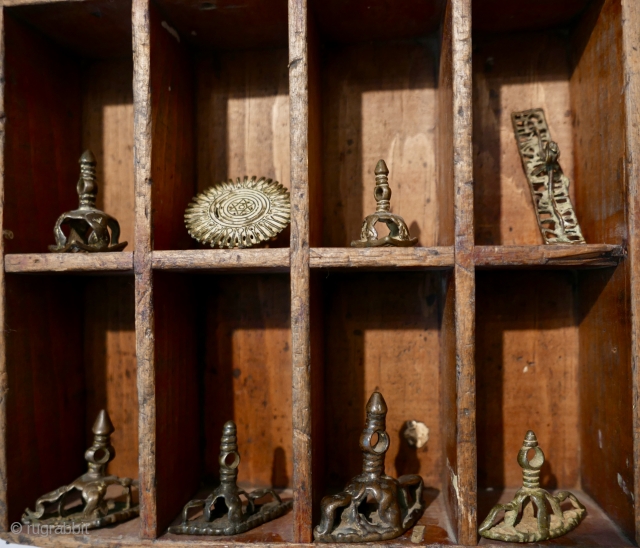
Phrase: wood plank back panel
(247, 374)
(173, 135)
(605, 392)
(379, 101)
(43, 141)
(178, 456)
(514, 73)
(527, 371)
(597, 103)
(107, 130)
(110, 365)
(388, 342)
(46, 408)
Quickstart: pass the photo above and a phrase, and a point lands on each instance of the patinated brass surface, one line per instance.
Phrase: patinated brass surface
(393, 507)
(93, 510)
(398, 232)
(232, 517)
(88, 226)
(549, 185)
(521, 524)
(239, 214)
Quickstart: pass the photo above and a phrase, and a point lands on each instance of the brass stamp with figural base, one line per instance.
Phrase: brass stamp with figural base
(223, 512)
(398, 232)
(94, 509)
(239, 214)
(522, 524)
(395, 505)
(549, 185)
(88, 226)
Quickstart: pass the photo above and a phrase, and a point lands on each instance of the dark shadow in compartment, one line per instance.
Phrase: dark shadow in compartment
(223, 352)
(66, 91)
(70, 353)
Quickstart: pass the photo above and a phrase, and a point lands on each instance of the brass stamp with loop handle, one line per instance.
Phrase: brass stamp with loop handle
(522, 524)
(88, 226)
(94, 509)
(396, 504)
(398, 232)
(223, 512)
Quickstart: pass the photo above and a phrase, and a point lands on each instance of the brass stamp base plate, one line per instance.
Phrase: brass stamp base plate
(118, 514)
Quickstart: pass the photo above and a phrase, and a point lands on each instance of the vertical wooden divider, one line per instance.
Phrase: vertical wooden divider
(4, 515)
(142, 268)
(631, 64)
(464, 272)
(300, 273)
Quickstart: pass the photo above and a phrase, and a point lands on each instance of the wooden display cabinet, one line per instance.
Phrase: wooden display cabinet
(480, 331)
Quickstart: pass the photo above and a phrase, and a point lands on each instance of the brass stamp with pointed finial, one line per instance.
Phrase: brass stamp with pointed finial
(396, 504)
(549, 185)
(223, 512)
(88, 226)
(522, 524)
(91, 509)
(398, 232)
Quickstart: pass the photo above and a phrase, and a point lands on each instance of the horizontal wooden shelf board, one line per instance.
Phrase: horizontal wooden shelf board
(10, 3)
(381, 257)
(548, 256)
(222, 259)
(274, 533)
(595, 530)
(68, 262)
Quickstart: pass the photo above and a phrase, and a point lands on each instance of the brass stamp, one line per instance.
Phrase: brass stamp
(232, 517)
(239, 214)
(522, 524)
(93, 510)
(398, 232)
(88, 226)
(549, 185)
(395, 505)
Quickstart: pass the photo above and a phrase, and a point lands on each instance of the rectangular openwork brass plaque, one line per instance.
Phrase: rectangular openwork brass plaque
(549, 185)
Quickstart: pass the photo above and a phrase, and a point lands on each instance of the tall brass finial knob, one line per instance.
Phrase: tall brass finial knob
(398, 503)
(237, 518)
(398, 232)
(88, 226)
(98, 510)
(522, 524)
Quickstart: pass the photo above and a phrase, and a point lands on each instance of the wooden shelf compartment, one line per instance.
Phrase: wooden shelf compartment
(222, 352)
(220, 108)
(70, 352)
(68, 72)
(375, 92)
(551, 352)
(570, 63)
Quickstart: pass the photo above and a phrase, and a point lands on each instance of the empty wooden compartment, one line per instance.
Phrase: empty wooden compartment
(290, 339)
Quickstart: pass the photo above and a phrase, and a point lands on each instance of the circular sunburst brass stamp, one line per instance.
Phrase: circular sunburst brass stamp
(239, 214)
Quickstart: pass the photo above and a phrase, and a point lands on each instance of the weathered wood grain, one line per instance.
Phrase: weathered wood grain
(68, 262)
(389, 258)
(548, 256)
(4, 386)
(300, 272)
(222, 259)
(464, 274)
(630, 21)
(144, 313)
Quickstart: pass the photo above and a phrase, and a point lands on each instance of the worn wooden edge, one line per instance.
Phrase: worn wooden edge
(389, 258)
(11, 3)
(464, 274)
(4, 386)
(222, 259)
(631, 63)
(548, 256)
(143, 269)
(68, 262)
